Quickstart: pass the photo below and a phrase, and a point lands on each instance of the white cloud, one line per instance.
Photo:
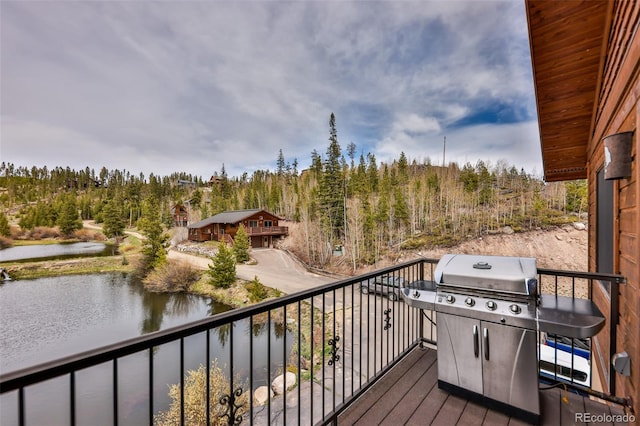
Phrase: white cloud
(413, 123)
(167, 86)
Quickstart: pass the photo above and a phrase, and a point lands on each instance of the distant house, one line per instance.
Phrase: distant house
(183, 183)
(180, 215)
(215, 180)
(263, 227)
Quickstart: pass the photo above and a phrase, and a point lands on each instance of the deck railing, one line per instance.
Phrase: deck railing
(268, 230)
(335, 341)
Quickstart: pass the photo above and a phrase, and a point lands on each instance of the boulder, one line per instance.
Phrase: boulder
(261, 395)
(507, 230)
(579, 226)
(278, 384)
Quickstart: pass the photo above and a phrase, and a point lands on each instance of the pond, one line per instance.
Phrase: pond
(56, 251)
(48, 318)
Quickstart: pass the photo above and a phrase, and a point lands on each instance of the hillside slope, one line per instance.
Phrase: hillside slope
(563, 247)
(557, 248)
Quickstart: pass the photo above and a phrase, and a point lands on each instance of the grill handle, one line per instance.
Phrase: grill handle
(476, 342)
(485, 343)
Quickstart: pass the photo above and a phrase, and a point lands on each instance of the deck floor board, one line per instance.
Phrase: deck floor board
(409, 395)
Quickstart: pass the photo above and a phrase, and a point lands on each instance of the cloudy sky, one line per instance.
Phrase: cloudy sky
(158, 87)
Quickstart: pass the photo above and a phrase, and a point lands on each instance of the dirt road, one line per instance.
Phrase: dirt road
(274, 269)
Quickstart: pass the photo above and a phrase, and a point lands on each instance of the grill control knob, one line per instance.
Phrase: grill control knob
(469, 301)
(491, 305)
(515, 309)
(450, 298)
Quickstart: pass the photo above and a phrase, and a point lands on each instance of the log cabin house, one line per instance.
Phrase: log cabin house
(180, 215)
(263, 227)
(586, 68)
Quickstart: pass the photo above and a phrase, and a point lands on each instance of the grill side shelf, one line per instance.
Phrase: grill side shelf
(420, 294)
(565, 316)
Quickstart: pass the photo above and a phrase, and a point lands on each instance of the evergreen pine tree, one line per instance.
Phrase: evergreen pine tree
(68, 218)
(241, 245)
(5, 230)
(222, 272)
(155, 241)
(113, 222)
(280, 164)
(332, 186)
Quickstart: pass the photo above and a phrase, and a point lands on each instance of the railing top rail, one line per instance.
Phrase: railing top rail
(619, 279)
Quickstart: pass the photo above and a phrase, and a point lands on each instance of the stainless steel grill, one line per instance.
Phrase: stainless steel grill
(489, 315)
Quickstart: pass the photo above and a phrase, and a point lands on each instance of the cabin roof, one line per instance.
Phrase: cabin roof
(567, 39)
(231, 216)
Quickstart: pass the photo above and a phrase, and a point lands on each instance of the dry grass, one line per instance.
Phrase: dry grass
(195, 399)
(173, 276)
(5, 242)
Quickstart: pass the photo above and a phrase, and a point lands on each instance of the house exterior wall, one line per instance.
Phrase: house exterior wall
(618, 110)
(206, 233)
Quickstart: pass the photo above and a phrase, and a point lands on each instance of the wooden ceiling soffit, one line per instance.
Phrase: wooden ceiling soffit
(566, 41)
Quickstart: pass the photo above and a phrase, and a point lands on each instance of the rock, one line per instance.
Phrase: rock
(278, 384)
(261, 395)
(579, 226)
(507, 230)
(559, 237)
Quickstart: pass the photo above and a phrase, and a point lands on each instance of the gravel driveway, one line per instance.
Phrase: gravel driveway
(274, 268)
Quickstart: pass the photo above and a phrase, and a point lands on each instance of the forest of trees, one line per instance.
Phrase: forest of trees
(343, 199)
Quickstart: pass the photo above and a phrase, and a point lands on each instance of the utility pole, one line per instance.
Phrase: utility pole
(444, 151)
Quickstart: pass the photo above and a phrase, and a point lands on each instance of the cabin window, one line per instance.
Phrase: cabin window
(253, 224)
(208, 230)
(604, 226)
(268, 224)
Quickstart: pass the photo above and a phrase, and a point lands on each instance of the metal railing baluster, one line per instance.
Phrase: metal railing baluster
(284, 365)
(299, 378)
(269, 366)
(208, 371)
(21, 406)
(72, 398)
(312, 382)
(115, 392)
(151, 386)
(182, 380)
(251, 370)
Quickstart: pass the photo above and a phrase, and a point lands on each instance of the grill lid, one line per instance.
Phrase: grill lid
(504, 274)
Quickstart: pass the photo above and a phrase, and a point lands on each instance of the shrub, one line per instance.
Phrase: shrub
(43, 232)
(257, 291)
(5, 230)
(195, 399)
(223, 270)
(88, 235)
(171, 277)
(241, 245)
(5, 242)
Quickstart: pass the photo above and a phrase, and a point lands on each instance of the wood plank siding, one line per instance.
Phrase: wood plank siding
(586, 92)
(565, 40)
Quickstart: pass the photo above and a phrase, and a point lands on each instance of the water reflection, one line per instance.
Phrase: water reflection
(48, 318)
(56, 251)
(154, 307)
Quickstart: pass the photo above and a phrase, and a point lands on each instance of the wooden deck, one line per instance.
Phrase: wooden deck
(408, 395)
